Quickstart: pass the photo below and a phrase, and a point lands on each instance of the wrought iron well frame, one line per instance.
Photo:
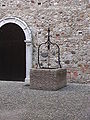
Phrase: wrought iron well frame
(48, 42)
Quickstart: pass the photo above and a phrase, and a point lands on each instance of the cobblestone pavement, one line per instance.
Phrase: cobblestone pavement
(19, 102)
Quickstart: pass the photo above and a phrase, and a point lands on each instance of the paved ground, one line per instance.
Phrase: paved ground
(19, 102)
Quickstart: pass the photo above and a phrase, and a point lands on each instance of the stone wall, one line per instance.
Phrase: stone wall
(70, 28)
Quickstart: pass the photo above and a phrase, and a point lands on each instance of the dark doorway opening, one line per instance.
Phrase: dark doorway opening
(12, 53)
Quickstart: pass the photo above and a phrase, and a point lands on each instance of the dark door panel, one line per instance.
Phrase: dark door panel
(12, 53)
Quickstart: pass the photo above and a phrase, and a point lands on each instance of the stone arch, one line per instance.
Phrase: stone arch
(27, 32)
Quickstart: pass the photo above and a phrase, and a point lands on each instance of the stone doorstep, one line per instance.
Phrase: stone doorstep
(48, 79)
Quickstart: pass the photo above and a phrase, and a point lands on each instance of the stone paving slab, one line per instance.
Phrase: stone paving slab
(19, 102)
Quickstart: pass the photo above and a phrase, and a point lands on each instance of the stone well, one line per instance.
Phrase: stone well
(47, 79)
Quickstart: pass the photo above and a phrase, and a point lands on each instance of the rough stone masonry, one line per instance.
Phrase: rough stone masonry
(69, 22)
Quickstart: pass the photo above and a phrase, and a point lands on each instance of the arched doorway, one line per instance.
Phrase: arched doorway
(25, 32)
(12, 53)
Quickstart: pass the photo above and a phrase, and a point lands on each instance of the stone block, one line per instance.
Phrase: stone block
(47, 79)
